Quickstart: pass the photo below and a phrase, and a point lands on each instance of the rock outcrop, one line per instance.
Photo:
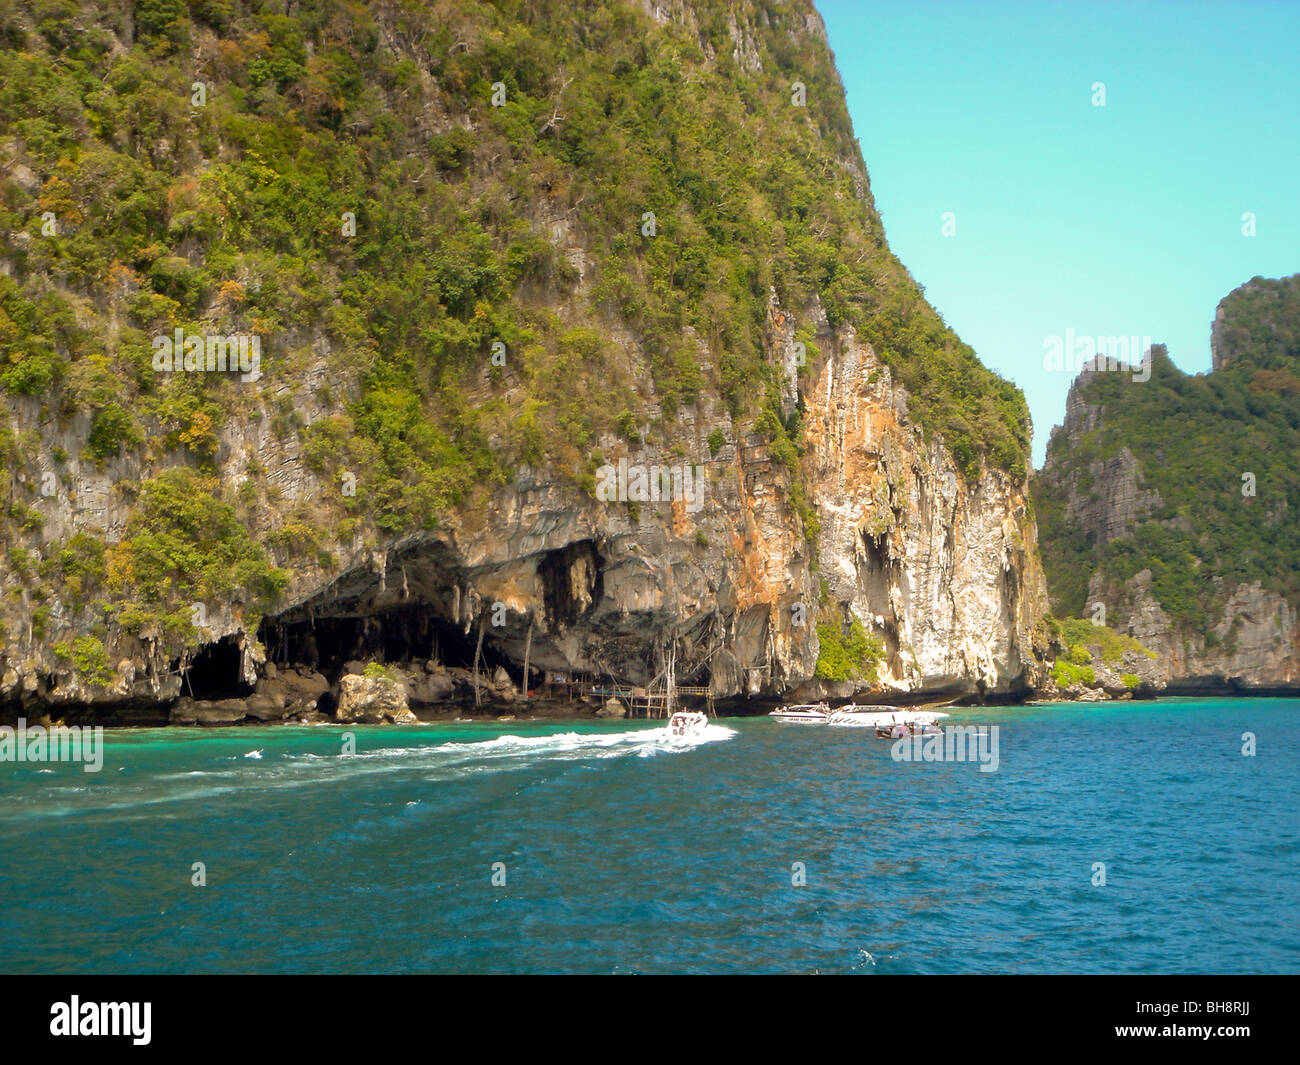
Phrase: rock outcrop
(1254, 644)
(946, 571)
(373, 700)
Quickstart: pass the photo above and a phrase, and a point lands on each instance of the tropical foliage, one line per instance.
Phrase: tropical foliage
(390, 196)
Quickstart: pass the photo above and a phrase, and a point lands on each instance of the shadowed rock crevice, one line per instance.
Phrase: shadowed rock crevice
(571, 583)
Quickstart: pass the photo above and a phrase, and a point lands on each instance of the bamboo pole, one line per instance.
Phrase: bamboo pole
(478, 650)
(670, 679)
(528, 646)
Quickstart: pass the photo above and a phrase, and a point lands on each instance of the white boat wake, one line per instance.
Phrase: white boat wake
(263, 769)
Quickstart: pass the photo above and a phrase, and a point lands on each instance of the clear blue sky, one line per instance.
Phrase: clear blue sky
(1113, 221)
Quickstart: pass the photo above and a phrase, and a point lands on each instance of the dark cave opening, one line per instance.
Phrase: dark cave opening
(876, 548)
(214, 673)
(878, 574)
(394, 636)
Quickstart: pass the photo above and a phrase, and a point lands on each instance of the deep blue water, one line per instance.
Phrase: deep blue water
(622, 856)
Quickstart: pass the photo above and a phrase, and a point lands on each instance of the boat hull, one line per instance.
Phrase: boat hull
(802, 714)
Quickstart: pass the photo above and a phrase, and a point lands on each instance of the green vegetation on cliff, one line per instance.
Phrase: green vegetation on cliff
(1222, 450)
(1087, 646)
(848, 655)
(1086, 641)
(185, 547)
(385, 193)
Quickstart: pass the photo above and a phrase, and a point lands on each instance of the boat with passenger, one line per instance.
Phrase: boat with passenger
(908, 722)
(686, 725)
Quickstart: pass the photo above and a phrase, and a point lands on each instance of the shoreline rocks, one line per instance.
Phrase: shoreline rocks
(426, 691)
(367, 699)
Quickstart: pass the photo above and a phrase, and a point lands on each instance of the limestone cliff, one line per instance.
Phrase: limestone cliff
(945, 570)
(1168, 505)
(1251, 646)
(389, 489)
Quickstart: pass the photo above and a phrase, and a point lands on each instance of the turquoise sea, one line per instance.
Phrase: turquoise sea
(621, 855)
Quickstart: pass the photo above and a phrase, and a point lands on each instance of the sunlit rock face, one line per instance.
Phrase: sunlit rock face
(1255, 644)
(944, 570)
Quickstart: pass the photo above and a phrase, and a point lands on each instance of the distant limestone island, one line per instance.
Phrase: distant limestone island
(1168, 509)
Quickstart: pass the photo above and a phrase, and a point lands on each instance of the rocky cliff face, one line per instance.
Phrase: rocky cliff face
(692, 540)
(947, 572)
(1167, 504)
(1254, 644)
(723, 587)
(1116, 498)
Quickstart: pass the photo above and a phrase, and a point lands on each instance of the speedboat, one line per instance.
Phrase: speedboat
(802, 714)
(859, 716)
(889, 722)
(686, 725)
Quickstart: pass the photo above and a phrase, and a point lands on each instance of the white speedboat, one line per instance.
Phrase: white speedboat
(686, 725)
(802, 714)
(888, 721)
(859, 716)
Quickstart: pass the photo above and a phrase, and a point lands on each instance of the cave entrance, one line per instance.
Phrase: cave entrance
(393, 636)
(879, 573)
(214, 673)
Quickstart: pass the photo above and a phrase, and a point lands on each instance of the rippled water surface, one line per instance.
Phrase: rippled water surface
(621, 854)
